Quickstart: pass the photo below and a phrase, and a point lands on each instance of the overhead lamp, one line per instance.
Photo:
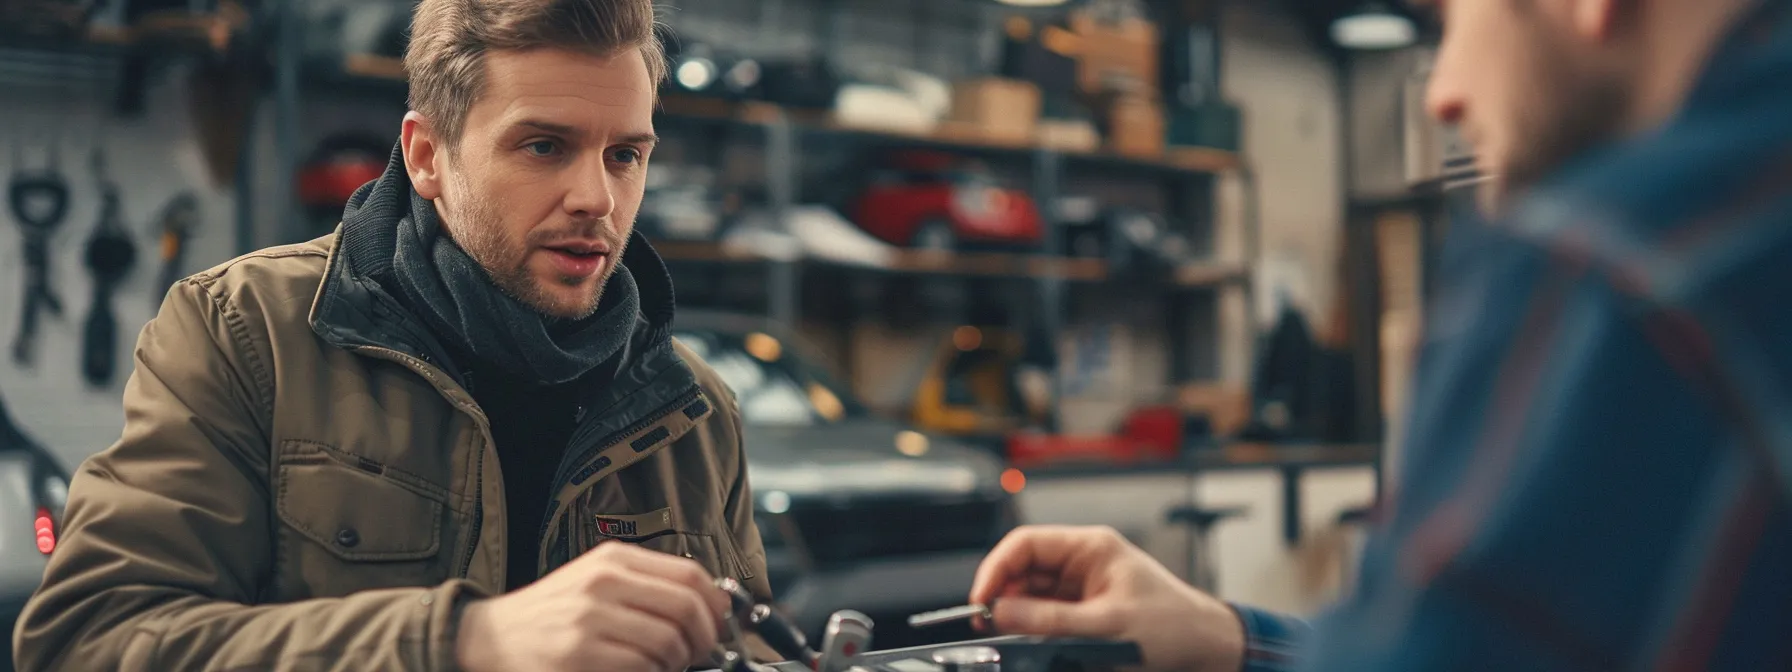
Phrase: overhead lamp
(1374, 26)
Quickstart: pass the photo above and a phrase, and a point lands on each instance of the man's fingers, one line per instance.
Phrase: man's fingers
(683, 571)
(627, 633)
(1052, 618)
(679, 607)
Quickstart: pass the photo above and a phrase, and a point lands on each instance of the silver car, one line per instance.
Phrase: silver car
(857, 512)
(33, 492)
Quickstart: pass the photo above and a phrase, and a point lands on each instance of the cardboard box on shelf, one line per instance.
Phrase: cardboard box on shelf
(1136, 127)
(1003, 110)
(1127, 48)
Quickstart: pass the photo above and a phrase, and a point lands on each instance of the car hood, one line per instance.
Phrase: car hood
(860, 457)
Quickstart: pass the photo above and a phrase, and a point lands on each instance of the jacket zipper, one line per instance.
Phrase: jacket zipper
(424, 368)
(609, 441)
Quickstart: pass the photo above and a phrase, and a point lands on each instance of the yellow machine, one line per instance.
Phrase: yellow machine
(978, 383)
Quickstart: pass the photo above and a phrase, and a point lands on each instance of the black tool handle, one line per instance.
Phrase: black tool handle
(37, 297)
(780, 634)
(99, 352)
(777, 631)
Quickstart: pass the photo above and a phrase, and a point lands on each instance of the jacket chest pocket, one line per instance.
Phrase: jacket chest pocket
(351, 524)
(662, 530)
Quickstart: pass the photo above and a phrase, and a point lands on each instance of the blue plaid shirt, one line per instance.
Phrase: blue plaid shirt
(1600, 457)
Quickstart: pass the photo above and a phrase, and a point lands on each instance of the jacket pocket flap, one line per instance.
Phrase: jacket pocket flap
(356, 512)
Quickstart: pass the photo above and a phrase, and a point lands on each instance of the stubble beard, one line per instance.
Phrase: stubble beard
(479, 230)
(1574, 111)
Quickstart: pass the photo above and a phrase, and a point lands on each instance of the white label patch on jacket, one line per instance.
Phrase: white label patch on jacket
(631, 527)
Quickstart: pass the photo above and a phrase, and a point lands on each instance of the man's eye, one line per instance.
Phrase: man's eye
(626, 156)
(541, 148)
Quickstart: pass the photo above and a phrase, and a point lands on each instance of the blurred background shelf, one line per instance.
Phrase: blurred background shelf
(951, 137)
(964, 264)
(173, 31)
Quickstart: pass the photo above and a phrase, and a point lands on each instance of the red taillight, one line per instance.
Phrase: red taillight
(46, 531)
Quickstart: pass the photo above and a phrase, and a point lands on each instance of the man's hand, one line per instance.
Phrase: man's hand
(1092, 582)
(617, 607)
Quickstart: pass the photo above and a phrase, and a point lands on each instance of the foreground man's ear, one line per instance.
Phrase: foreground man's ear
(421, 154)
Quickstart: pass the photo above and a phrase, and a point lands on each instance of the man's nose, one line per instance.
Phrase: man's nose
(590, 194)
(1443, 100)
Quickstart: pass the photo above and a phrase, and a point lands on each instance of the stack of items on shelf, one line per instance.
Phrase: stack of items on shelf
(1088, 83)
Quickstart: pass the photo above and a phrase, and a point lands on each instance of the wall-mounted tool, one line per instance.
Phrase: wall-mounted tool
(38, 200)
(177, 223)
(110, 256)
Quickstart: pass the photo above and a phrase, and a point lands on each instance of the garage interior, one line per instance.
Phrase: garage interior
(1163, 260)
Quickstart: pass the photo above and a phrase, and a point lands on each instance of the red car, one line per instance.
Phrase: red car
(935, 201)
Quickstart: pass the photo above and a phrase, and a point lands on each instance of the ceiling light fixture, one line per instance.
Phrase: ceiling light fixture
(1032, 3)
(1374, 26)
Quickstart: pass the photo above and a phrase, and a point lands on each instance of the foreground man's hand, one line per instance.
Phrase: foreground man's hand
(1092, 582)
(617, 607)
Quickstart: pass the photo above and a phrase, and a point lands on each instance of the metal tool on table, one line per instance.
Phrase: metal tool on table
(177, 223)
(844, 642)
(111, 254)
(746, 615)
(969, 659)
(38, 200)
(950, 615)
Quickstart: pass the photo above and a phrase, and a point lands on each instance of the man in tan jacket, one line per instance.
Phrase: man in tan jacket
(400, 447)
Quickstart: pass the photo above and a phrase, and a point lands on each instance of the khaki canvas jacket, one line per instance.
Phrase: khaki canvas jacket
(303, 483)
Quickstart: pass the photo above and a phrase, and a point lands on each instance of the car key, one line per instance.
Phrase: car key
(953, 614)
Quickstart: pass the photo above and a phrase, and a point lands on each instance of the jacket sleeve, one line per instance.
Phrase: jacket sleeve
(1273, 642)
(167, 544)
(739, 511)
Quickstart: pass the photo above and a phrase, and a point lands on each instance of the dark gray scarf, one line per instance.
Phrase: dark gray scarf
(393, 235)
(458, 299)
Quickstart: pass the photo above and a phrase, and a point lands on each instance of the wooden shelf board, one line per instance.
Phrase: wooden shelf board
(207, 31)
(981, 264)
(948, 135)
(374, 67)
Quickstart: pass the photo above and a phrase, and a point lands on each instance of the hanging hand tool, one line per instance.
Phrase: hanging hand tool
(110, 256)
(38, 200)
(177, 223)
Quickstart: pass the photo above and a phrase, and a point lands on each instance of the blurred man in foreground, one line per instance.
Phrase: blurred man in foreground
(1600, 466)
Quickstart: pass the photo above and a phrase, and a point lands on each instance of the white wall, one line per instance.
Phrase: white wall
(1288, 91)
(152, 159)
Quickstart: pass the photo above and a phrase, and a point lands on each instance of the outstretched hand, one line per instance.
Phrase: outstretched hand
(1092, 582)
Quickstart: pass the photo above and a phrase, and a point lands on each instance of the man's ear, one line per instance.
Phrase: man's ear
(423, 154)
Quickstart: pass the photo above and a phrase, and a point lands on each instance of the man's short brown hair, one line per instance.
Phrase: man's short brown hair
(445, 61)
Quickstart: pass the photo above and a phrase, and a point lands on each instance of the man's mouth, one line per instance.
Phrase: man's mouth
(578, 259)
(581, 248)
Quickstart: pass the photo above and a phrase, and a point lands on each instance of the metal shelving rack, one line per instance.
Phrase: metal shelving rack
(276, 30)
